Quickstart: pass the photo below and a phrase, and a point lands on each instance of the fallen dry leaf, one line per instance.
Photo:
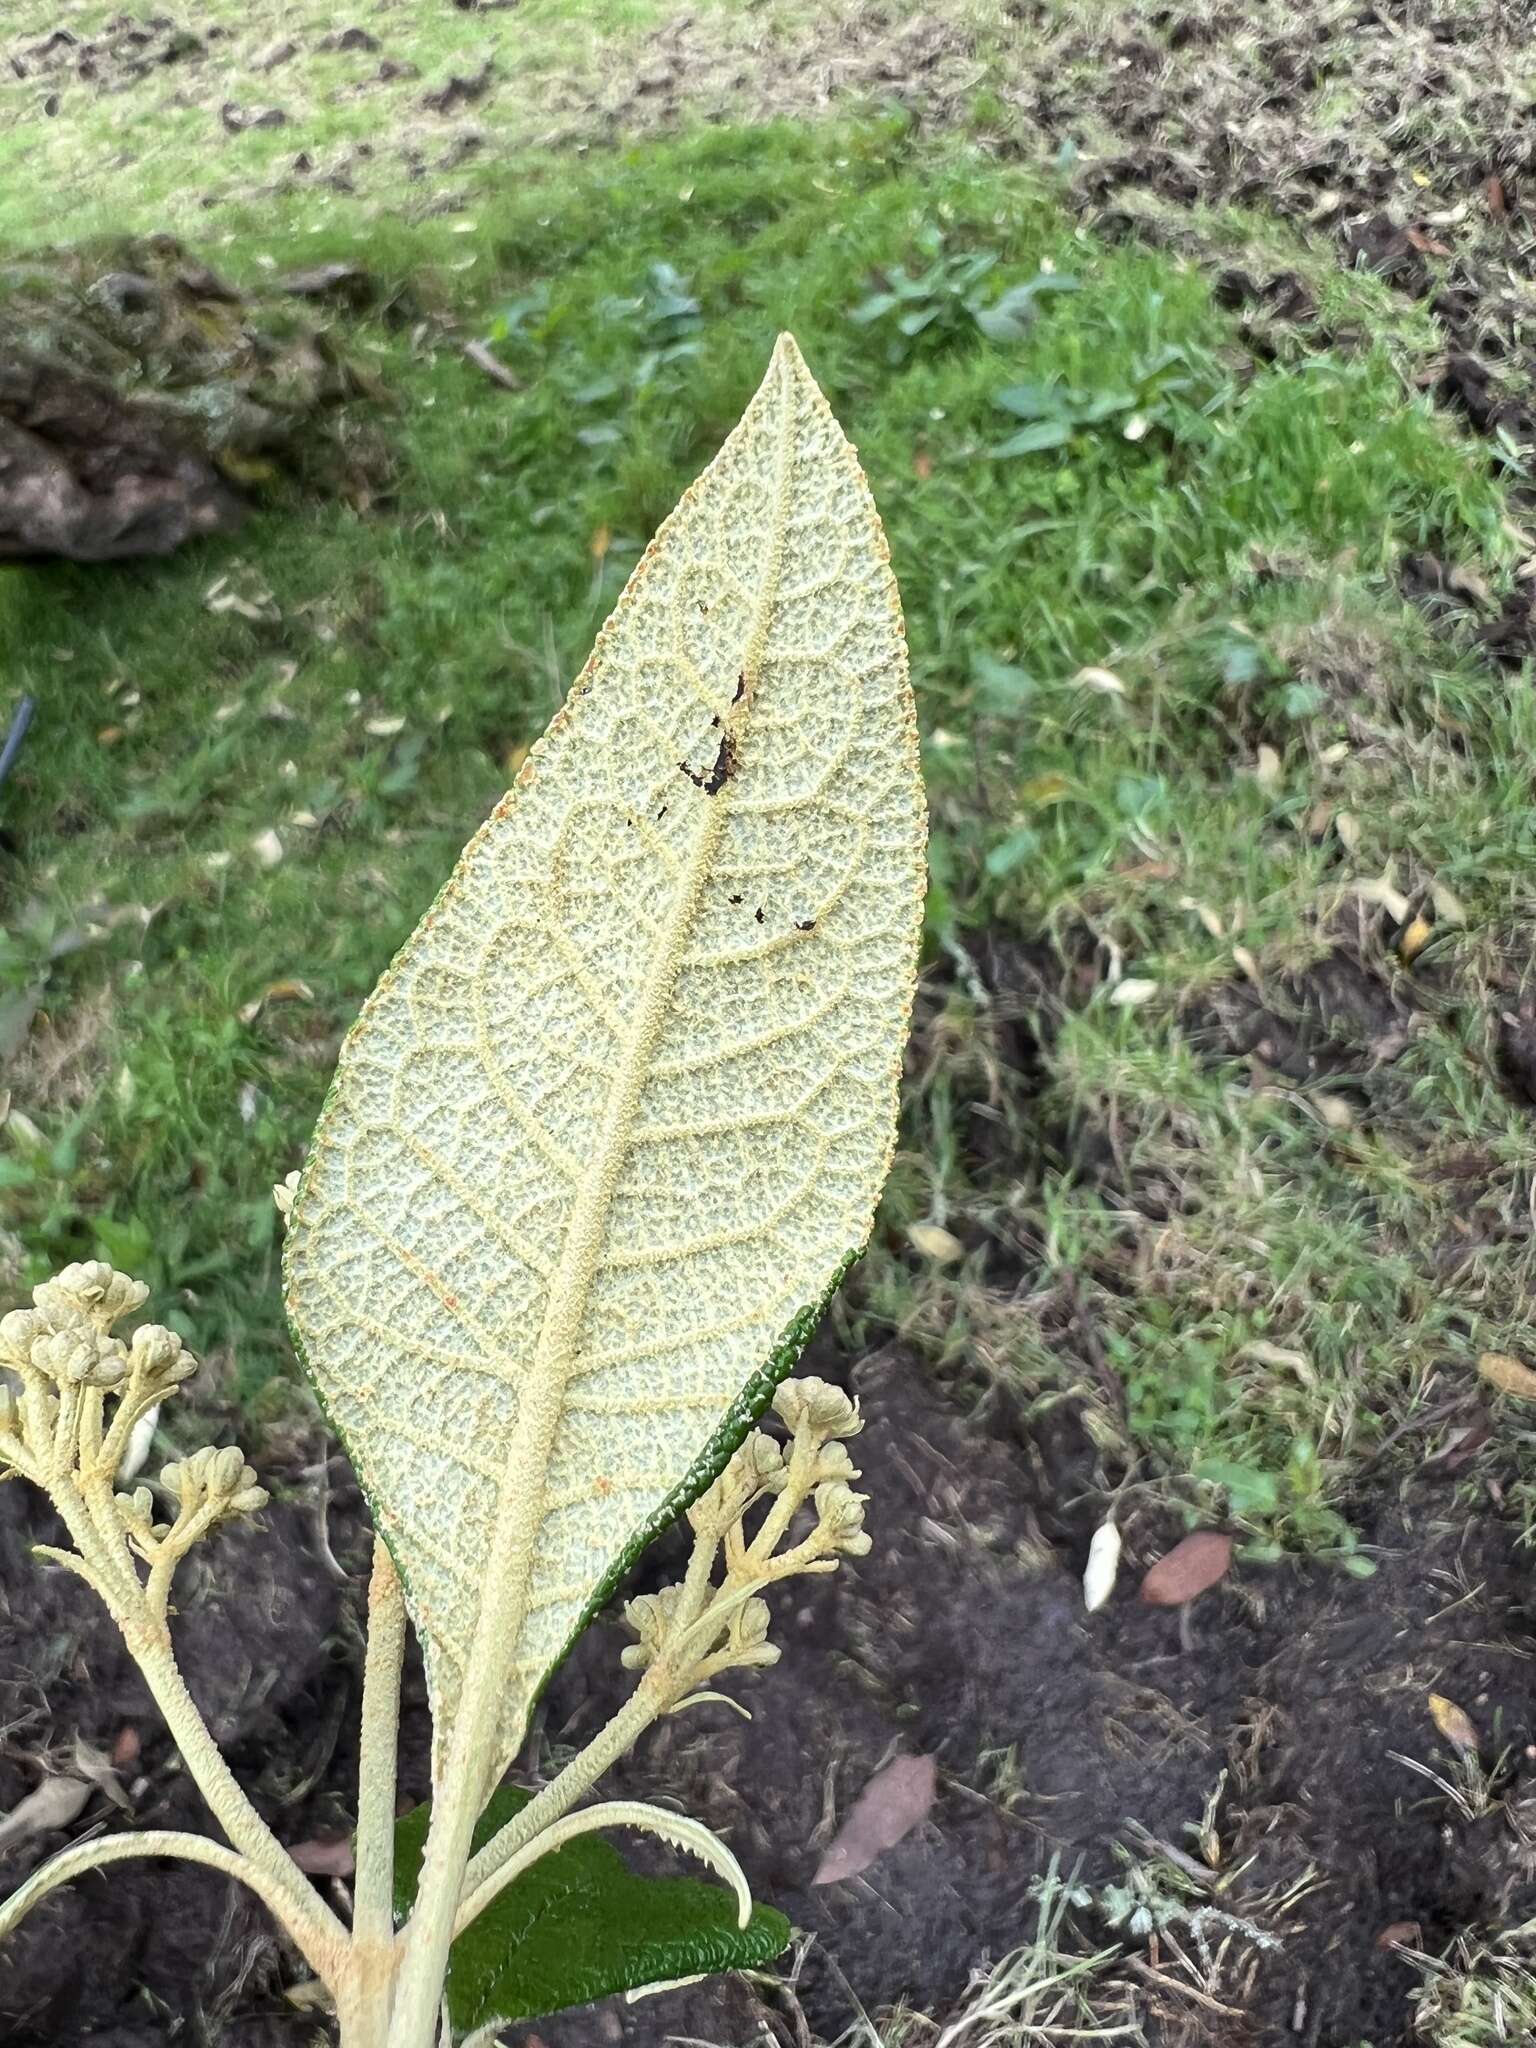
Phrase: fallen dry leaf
(324, 1858)
(1400, 1934)
(491, 364)
(1385, 893)
(1189, 1569)
(1206, 915)
(268, 848)
(1267, 772)
(98, 1768)
(889, 1807)
(384, 728)
(935, 1242)
(126, 1749)
(1104, 680)
(1132, 993)
(291, 991)
(1460, 1447)
(922, 465)
(53, 1804)
(1102, 1567)
(1449, 908)
(1265, 1353)
(1507, 1374)
(1454, 1723)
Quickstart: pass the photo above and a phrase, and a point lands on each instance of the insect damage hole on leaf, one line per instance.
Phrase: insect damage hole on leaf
(713, 780)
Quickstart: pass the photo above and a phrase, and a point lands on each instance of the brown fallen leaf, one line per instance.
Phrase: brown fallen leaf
(291, 991)
(1455, 1724)
(129, 1743)
(1400, 1934)
(889, 1807)
(324, 1858)
(1507, 1374)
(922, 465)
(98, 1769)
(53, 1804)
(1493, 192)
(1189, 1569)
(1461, 1446)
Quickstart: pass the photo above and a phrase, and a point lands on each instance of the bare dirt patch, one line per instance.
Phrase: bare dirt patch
(1268, 1758)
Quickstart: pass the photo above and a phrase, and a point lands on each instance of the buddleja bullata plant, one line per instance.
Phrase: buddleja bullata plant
(619, 1110)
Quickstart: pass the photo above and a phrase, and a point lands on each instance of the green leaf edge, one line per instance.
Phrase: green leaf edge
(766, 1935)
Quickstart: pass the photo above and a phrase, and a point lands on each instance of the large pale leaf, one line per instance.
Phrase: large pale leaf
(579, 1925)
(624, 1102)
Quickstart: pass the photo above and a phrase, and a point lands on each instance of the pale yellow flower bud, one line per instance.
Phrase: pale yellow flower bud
(818, 1406)
(840, 1518)
(92, 1292)
(227, 1471)
(81, 1357)
(757, 1464)
(650, 1616)
(752, 1619)
(833, 1462)
(137, 1508)
(217, 1478)
(158, 1357)
(283, 1193)
(18, 1332)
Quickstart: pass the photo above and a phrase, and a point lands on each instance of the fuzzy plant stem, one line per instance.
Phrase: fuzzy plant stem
(316, 1931)
(371, 1958)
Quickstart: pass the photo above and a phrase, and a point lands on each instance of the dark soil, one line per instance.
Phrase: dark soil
(962, 1636)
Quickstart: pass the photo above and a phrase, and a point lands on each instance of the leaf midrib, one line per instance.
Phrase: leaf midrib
(521, 1502)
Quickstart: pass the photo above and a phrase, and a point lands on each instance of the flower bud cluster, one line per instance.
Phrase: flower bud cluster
(60, 1432)
(220, 1480)
(706, 1629)
(65, 1335)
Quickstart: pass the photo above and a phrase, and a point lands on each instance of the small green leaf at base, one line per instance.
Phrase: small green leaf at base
(579, 1925)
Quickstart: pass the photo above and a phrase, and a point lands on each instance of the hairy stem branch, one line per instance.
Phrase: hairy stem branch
(645, 1704)
(371, 1962)
(317, 1932)
(85, 1856)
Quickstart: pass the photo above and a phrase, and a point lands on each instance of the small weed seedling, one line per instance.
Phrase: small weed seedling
(622, 1105)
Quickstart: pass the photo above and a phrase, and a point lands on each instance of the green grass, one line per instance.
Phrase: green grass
(1230, 561)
